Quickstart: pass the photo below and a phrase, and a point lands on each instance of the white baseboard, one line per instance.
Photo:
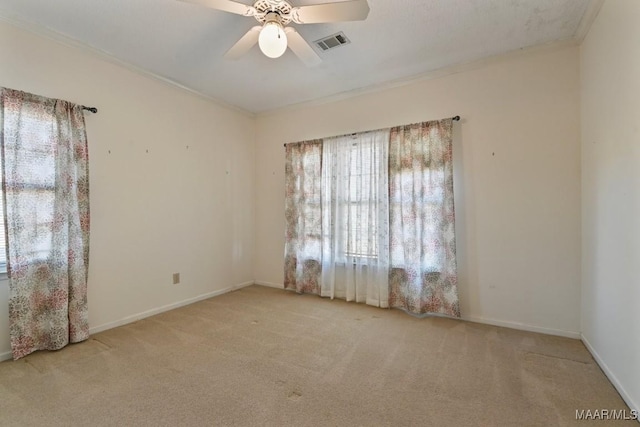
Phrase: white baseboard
(243, 285)
(158, 310)
(505, 324)
(614, 380)
(134, 317)
(523, 327)
(269, 284)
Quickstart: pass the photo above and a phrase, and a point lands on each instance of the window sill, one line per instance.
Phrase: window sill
(362, 262)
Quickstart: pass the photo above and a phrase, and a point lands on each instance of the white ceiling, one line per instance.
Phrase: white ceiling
(184, 43)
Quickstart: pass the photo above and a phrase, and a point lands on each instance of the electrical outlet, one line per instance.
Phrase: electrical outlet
(176, 278)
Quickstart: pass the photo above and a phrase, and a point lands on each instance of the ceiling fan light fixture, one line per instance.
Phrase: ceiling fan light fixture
(274, 35)
(273, 39)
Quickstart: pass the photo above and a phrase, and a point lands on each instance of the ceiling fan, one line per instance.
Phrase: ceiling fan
(274, 36)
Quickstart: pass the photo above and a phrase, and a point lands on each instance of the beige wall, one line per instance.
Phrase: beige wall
(170, 210)
(517, 181)
(610, 74)
(517, 177)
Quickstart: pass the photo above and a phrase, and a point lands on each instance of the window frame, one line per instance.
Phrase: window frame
(347, 200)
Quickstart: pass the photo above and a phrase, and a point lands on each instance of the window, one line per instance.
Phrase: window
(355, 195)
(360, 220)
(430, 202)
(39, 187)
(303, 201)
(387, 234)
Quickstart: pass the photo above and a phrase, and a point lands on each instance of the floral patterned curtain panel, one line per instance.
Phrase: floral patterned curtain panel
(303, 214)
(423, 276)
(46, 200)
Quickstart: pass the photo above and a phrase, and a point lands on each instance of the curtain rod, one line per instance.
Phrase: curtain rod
(454, 118)
(92, 109)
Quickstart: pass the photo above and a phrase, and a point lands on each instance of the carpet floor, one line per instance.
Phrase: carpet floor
(266, 357)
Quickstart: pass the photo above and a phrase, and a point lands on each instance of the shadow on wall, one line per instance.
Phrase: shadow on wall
(465, 236)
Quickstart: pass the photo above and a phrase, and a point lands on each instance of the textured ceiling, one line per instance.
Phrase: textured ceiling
(185, 43)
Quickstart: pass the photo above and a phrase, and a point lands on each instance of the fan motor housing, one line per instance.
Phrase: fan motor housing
(281, 7)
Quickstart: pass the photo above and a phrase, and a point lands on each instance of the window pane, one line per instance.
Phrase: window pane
(358, 175)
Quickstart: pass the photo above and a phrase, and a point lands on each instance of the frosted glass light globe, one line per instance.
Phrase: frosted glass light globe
(272, 40)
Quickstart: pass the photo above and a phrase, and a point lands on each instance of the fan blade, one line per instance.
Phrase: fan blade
(226, 6)
(301, 48)
(244, 44)
(354, 10)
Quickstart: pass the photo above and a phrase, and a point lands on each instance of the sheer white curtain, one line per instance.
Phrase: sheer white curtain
(355, 218)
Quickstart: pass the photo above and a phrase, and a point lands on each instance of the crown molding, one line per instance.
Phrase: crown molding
(67, 41)
(589, 16)
(429, 75)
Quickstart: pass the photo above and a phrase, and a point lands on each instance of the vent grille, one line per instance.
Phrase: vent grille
(333, 41)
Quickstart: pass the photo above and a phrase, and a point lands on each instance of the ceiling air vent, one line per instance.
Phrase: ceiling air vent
(332, 41)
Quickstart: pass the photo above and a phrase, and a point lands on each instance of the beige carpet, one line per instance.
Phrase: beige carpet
(261, 356)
